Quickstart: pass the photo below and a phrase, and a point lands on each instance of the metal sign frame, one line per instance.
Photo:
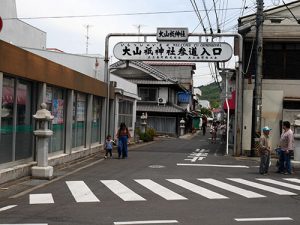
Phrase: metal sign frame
(239, 80)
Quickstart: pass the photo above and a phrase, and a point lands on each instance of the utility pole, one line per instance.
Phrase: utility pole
(258, 76)
(87, 27)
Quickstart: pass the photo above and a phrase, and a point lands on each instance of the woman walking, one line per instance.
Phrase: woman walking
(123, 135)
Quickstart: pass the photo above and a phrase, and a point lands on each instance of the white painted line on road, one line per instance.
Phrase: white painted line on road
(194, 159)
(41, 198)
(81, 192)
(213, 165)
(295, 180)
(197, 150)
(197, 189)
(146, 222)
(280, 183)
(160, 190)
(262, 186)
(7, 207)
(231, 188)
(201, 158)
(122, 191)
(263, 219)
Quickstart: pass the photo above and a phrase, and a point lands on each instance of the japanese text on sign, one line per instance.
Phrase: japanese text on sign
(174, 51)
(172, 34)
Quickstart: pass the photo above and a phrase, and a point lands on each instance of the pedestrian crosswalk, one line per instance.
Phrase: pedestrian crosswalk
(175, 189)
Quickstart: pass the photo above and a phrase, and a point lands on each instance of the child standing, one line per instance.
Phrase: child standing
(108, 146)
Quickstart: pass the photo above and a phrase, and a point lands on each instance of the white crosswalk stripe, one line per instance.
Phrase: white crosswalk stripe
(197, 189)
(231, 188)
(81, 192)
(262, 186)
(41, 198)
(295, 180)
(280, 183)
(122, 191)
(160, 190)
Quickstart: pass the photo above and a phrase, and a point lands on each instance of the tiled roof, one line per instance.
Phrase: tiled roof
(159, 108)
(139, 81)
(146, 67)
(162, 63)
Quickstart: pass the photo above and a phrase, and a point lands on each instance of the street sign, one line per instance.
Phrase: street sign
(1, 23)
(172, 34)
(173, 51)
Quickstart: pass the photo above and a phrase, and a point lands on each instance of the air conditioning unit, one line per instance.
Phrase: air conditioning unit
(161, 101)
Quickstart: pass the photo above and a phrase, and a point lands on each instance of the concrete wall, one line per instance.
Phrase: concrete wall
(18, 32)
(274, 91)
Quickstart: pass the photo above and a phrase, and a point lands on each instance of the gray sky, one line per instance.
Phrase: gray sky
(69, 34)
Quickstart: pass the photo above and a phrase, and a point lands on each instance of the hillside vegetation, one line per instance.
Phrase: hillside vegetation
(211, 92)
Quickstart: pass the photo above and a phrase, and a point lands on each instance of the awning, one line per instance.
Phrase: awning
(231, 102)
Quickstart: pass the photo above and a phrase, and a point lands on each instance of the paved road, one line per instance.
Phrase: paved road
(171, 181)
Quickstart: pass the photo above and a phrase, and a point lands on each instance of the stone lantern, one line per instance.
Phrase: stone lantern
(182, 126)
(43, 133)
(297, 138)
(143, 122)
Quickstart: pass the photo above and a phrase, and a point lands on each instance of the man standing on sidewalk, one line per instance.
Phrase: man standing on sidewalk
(265, 151)
(287, 148)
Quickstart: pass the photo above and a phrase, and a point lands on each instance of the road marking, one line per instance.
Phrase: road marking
(295, 180)
(23, 223)
(41, 198)
(197, 189)
(7, 207)
(231, 188)
(81, 192)
(292, 186)
(212, 165)
(262, 186)
(262, 219)
(160, 190)
(146, 222)
(122, 191)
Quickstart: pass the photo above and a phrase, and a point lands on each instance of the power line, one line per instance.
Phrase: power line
(210, 27)
(196, 10)
(217, 19)
(109, 15)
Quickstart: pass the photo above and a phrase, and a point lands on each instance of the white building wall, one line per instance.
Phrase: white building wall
(163, 93)
(18, 32)
(274, 91)
(82, 63)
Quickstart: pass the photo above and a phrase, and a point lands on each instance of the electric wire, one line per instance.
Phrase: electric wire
(194, 4)
(217, 19)
(207, 15)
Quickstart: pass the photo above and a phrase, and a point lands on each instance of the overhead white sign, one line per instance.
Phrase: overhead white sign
(173, 51)
(172, 34)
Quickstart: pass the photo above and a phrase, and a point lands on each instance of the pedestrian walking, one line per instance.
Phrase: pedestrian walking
(223, 130)
(123, 136)
(287, 149)
(108, 146)
(204, 124)
(264, 151)
(213, 132)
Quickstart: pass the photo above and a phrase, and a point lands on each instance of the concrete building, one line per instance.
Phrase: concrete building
(281, 79)
(165, 96)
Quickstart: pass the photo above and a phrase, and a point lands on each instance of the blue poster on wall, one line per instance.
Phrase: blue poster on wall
(184, 97)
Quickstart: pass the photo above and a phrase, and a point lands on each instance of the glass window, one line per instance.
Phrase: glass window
(125, 112)
(96, 121)
(148, 94)
(24, 137)
(79, 120)
(7, 112)
(55, 103)
(16, 139)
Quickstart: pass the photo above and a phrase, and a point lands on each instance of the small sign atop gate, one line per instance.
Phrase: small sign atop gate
(172, 34)
(173, 51)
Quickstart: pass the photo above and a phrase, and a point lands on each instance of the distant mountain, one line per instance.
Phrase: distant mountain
(211, 92)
